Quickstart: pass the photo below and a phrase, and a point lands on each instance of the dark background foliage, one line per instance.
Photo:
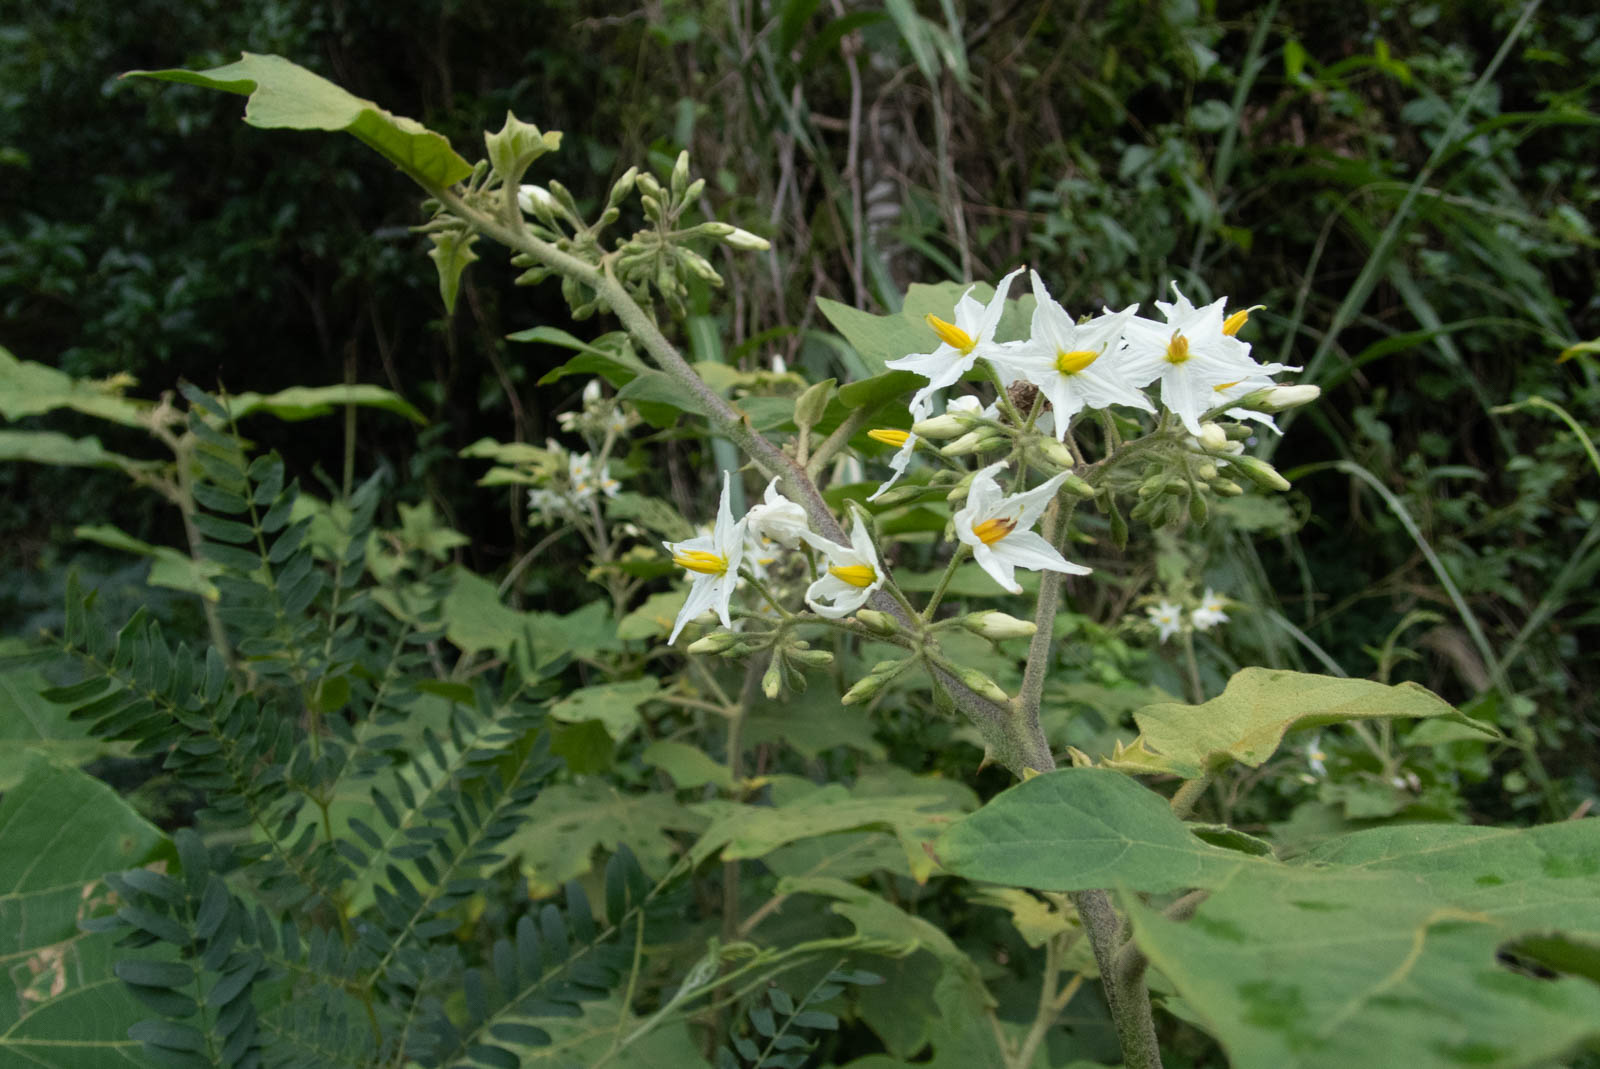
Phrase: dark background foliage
(1115, 146)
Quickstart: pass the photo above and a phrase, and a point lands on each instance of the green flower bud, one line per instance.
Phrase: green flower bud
(716, 642)
(680, 175)
(692, 194)
(1260, 472)
(999, 625)
(1226, 488)
(1056, 453)
(772, 680)
(1197, 509)
(812, 658)
(881, 622)
(982, 685)
(945, 426)
(959, 492)
(900, 495)
(1077, 486)
(967, 444)
(648, 186)
(865, 690)
(810, 406)
(622, 187)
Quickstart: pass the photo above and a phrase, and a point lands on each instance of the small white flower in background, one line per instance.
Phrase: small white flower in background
(1167, 617)
(1000, 529)
(712, 562)
(617, 421)
(851, 574)
(1210, 613)
(777, 518)
(1075, 365)
(779, 365)
(1315, 758)
(587, 481)
(592, 393)
(1192, 354)
(960, 343)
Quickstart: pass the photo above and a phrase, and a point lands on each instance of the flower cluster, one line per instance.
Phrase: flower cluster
(996, 526)
(1193, 355)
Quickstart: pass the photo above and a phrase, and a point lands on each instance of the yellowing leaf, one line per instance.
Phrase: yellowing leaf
(1247, 721)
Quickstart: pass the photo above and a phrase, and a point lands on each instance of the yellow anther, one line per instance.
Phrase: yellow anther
(889, 437)
(951, 334)
(991, 531)
(859, 576)
(1177, 349)
(1075, 361)
(1231, 325)
(1219, 387)
(698, 560)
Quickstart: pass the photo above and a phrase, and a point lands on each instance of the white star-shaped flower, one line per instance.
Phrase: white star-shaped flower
(1075, 365)
(1192, 353)
(1167, 617)
(1000, 529)
(712, 562)
(777, 518)
(1210, 613)
(850, 576)
(960, 343)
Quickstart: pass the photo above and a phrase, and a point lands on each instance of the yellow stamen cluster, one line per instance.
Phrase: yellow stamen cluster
(859, 576)
(991, 531)
(952, 335)
(1178, 349)
(1075, 361)
(698, 560)
(888, 436)
(1231, 325)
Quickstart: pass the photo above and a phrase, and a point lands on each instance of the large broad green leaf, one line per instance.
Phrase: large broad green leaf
(739, 830)
(1377, 948)
(30, 389)
(308, 402)
(565, 824)
(60, 1005)
(1078, 829)
(614, 705)
(286, 96)
(1247, 721)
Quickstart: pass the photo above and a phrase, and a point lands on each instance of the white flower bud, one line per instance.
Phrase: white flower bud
(999, 625)
(591, 392)
(536, 200)
(1212, 436)
(1279, 398)
(743, 239)
(1056, 453)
